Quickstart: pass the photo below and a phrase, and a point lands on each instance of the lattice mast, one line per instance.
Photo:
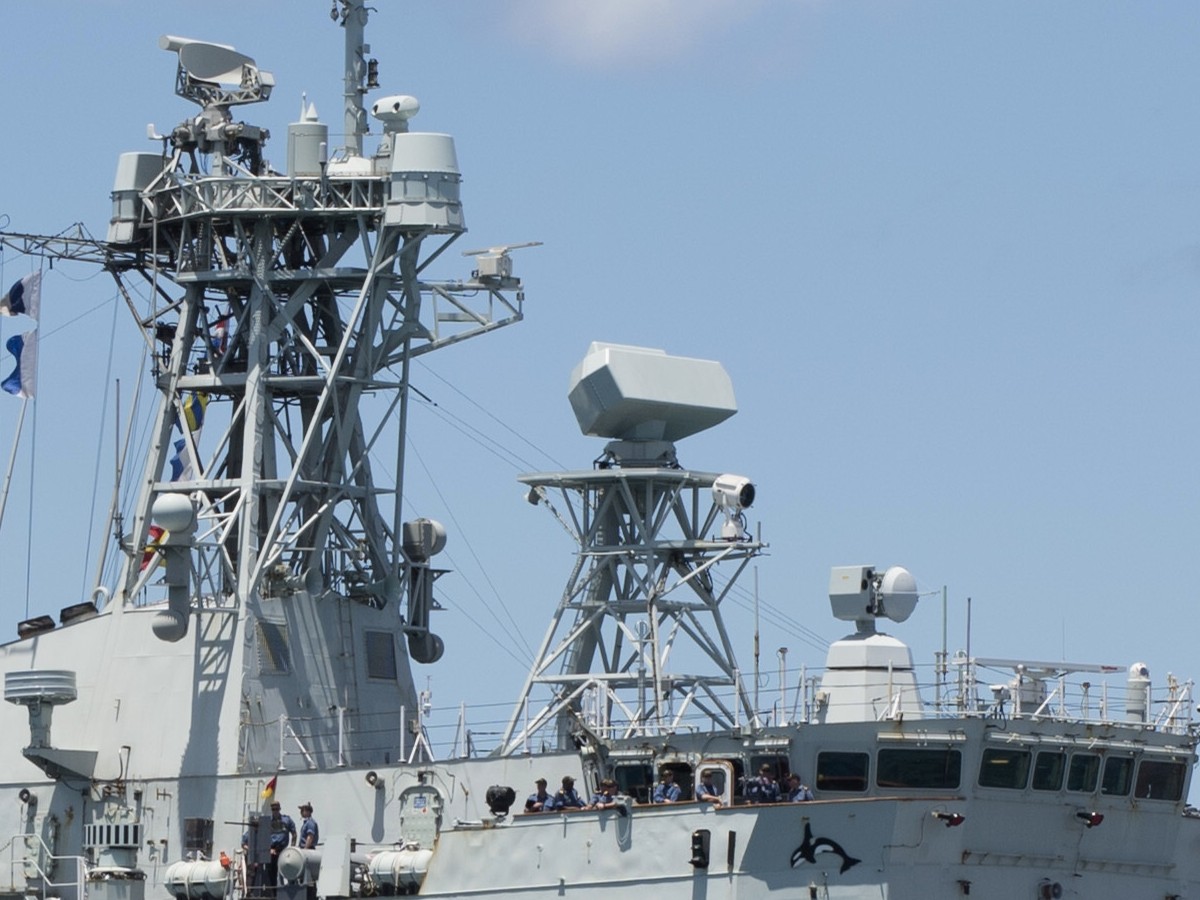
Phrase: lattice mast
(651, 536)
(283, 365)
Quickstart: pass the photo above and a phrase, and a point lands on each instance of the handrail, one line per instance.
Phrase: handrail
(33, 852)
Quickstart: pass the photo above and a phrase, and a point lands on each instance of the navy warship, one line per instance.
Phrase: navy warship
(270, 598)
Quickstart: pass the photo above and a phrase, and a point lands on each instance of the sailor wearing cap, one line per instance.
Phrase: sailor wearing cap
(283, 835)
(310, 834)
(540, 800)
(568, 797)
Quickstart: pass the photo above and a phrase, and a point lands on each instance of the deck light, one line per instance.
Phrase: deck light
(1090, 818)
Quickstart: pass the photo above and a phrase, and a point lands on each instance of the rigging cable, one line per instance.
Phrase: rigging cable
(529, 467)
(518, 636)
(87, 553)
(514, 635)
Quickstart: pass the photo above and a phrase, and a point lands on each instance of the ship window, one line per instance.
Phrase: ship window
(1004, 768)
(198, 836)
(780, 767)
(1048, 770)
(635, 779)
(1118, 776)
(381, 655)
(905, 768)
(274, 655)
(683, 777)
(842, 771)
(1085, 768)
(1158, 780)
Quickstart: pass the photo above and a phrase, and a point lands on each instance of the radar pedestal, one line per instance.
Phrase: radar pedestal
(869, 676)
(39, 691)
(638, 646)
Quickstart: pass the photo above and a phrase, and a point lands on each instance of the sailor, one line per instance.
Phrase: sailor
(606, 797)
(798, 791)
(666, 791)
(283, 835)
(540, 800)
(568, 797)
(309, 832)
(708, 791)
(763, 788)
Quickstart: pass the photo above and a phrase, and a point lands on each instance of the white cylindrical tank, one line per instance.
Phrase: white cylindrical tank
(424, 190)
(402, 868)
(1137, 693)
(296, 861)
(308, 145)
(203, 879)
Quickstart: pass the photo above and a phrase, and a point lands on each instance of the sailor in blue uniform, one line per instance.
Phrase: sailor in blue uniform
(763, 788)
(666, 791)
(797, 790)
(310, 834)
(540, 800)
(606, 797)
(568, 797)
(283, 835)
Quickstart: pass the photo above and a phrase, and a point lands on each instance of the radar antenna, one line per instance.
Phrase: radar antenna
(216, 75)
(860, 594)
(494, 265)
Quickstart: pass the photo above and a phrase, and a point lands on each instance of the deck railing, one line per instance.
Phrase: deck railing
(976, 691)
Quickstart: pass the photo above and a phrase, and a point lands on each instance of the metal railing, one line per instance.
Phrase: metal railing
(30, 865)
(463, 731)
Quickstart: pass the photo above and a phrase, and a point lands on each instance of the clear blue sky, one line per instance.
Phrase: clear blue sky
(948, 252)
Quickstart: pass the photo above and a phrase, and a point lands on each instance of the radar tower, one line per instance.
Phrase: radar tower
(651, 536)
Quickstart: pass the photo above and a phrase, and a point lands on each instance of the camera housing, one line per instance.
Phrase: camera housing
(733, 492)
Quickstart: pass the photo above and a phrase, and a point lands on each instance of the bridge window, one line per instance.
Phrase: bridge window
(909, 768)
(1118, 776)
(838, 771)
(1004, 768)
(1160, 780)
(1083, 773)
(1048, 771)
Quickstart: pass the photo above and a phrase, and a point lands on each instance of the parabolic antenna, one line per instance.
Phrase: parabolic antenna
(214, 63)
(216, 75)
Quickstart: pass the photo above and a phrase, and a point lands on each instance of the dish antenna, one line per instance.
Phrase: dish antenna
(216, 74)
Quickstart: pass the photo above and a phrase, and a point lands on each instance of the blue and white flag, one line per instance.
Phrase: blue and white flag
(24, 298)
(24, 377)
(181, 462)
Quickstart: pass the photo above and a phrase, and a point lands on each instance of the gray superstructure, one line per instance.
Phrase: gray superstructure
(271, 597)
